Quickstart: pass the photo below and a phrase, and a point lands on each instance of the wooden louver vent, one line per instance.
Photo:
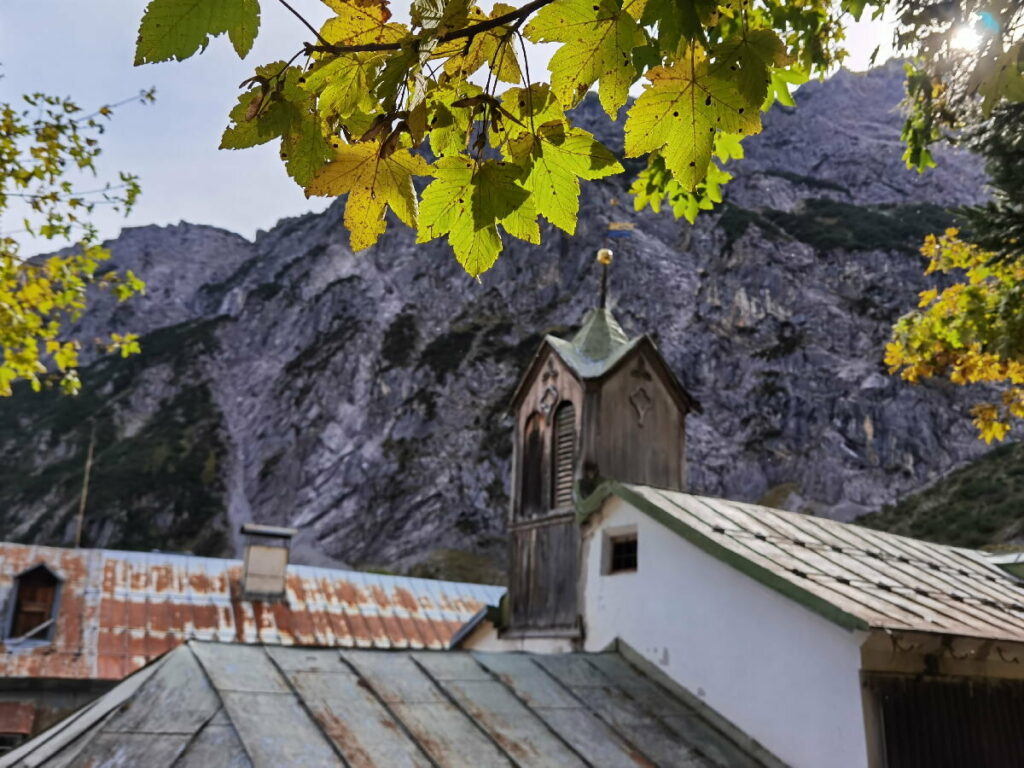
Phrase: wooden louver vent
(564, 455)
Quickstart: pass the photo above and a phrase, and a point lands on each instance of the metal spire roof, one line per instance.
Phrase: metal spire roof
(597, 346)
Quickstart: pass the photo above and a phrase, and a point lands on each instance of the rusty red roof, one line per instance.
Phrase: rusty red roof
(119, 610)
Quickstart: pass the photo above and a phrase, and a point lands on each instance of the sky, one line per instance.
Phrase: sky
(84, 49)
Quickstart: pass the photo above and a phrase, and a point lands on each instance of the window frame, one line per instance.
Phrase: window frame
(609, 539)
(46, 636)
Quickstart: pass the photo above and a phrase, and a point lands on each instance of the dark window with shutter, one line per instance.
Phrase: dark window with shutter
(34, 597)
(532, 474)
(563, 455)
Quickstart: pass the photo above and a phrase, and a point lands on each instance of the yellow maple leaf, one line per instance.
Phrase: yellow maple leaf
(373, 184)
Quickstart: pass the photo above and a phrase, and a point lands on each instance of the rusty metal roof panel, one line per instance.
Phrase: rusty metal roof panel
(280, 705)
(858, 577)
(119, 610)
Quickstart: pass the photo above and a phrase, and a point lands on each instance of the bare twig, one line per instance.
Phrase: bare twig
(302, 18)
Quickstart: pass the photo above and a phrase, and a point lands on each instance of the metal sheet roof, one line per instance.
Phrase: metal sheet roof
(119, 610)
(858, 577)
(214, 705)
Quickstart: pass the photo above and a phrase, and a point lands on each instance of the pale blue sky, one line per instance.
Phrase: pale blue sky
(84, 49)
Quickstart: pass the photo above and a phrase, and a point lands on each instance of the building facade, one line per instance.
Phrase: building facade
(827, 643)
(77, 621)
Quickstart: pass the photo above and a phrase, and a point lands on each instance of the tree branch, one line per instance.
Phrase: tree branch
(519, 15)
(302, 18)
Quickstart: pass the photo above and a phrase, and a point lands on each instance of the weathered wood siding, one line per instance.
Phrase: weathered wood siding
(640, 428)
(543, 534)
(542, 591)
(553, 385)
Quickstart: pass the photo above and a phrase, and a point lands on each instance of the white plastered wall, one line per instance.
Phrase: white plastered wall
(781, 673)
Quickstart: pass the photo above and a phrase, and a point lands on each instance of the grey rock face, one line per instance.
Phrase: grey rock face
(362, 397)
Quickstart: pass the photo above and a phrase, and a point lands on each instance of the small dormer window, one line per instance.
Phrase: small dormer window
(563, 455)
(620, 552)
(34, 609)
(623, 554)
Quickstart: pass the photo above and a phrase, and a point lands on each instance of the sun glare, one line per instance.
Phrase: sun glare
(965, 38)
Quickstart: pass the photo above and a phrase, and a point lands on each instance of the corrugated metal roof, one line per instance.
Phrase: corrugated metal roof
(213, 705)
(119, 610)
(856, 576)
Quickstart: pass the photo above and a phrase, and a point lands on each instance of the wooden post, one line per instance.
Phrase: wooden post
(85, 487)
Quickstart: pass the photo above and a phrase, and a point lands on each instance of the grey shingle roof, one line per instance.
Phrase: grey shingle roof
(212, 705)
(858, 577)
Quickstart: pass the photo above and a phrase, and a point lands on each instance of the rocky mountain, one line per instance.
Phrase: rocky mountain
(362, 397)
(979, 505)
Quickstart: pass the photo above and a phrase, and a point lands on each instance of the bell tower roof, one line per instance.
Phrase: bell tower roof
(597, 346)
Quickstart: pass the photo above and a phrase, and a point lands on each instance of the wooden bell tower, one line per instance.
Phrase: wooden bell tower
(598, 406)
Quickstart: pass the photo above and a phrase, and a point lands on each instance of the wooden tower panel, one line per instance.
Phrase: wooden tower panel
(640, 428)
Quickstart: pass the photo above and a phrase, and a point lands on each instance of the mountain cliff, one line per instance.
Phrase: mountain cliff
(362, 397)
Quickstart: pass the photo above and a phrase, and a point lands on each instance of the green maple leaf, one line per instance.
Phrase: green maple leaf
(287, 112)
(750, 57)
(599, 37)
(556, 159)
(680, 113)
(270, 122)
(467, 201)
(373, 184)
(176, 29)
(303, 147)
(341, 85)
(448, 125)
(679, 20)
(532, 107)
(998, 75)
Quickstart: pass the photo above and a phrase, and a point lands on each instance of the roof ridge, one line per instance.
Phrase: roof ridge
(216, 692)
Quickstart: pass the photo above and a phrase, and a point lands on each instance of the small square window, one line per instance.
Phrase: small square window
(623, 554)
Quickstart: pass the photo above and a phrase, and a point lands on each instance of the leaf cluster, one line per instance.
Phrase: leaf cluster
(45, 143)
(951, 87)
(971, 331)
(370, 104)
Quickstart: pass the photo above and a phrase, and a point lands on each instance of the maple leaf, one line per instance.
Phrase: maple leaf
(680, 20)
(254, 121)
(373, 184)
(556, 159)
(750, 57)
(532, 107)
(467, 201)
(439, 16)
(176, 29)
(680, 113)
(303, 147)
(288, 113)
(598, 38)
(493, 47)
(362, 23)
(341, 84)
(448, 125)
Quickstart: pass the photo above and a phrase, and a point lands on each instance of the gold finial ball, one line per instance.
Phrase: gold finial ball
(604, 256)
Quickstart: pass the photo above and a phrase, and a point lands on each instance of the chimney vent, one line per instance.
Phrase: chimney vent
(266, 561)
